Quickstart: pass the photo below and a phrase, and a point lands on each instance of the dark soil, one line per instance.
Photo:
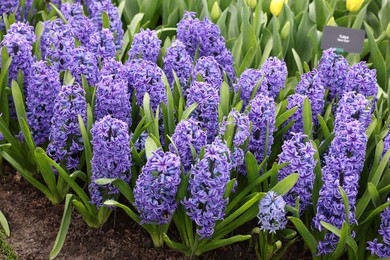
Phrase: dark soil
(34, 223)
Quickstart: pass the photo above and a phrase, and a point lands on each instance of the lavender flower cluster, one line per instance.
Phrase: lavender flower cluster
(382, 249)
(272, 215)
(65, 139)
(343, 165)
(111, 157)
(241, 124)
(262, 115)
(205, 37)
(156, 187)
(206, 112)
(42, 89)
(312, 87)
(247, 82)
(300, 154)
(207, 185)
(188, 134)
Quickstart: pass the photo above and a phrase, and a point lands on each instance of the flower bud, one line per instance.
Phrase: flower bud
(252, 3)
(215, 12)
(354, 5)
(331, 22)
(388, 31)
(276, 6)
(285, 30)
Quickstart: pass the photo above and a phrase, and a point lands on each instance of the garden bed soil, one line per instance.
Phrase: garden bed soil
(34, 223)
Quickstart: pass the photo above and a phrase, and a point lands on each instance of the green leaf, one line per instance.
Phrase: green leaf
(374, 195)
(307, 118)
(126, 209)
(309, 239)
(87, 147)
(251, 168)
(179, 247)
(286, 184)
(297, 61)
(188, 111)
(342, 242)
(375, 213)
(4, 224)
(324, 127)
(351, 243)
(378, 61)
(58, 12)
(224, 99)
(63, 231)
(150, 147)
(221, 243)
(106, 20)
(283, 117)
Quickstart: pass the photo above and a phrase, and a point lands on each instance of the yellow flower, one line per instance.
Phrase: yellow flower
(354, 5)
(276, 6)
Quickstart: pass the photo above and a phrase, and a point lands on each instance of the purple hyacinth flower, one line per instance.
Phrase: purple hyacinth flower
(262, 114)
(275, 71)
(272, 215)
(57, 44)
(362, 80)
(188, 133)
(178, 60)
(20, 49)
(333, 68)
(248, 81)
(156, 188)
(241, 124)
(382, 249)
(65, 139)
(42, 89)
(114, 68)
(206, 95)
(343, 165)
(207, 185)
(23, 30)
(113, 99)
(145, 45)
(312, 87)
(102, 44)
(85, 63)
(300, 155)
(72, 10)
(208, 69)
(146, 77)
(8, 7)
(96, 9)
(111, 157)
(353, 106)
(293, 101)
(187, 32)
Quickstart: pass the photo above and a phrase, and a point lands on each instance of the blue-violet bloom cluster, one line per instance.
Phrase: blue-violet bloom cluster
(248, 81)
(382, 249)
(207, 97)
(300, 155)
(362, 80)
(111, 157)
(295, 100)
(312, 87)
(275, 71)
(333, 68)
(42, 89)
(262, 115)
(65, 139)
(272, 215)
(146, 77)
(85, 63)
(208, 68)
(112, 99)
(102, 44)
(156, 188)
(145, 45)
(343, 165)
(207, 185)
(178, 60)
(188, 133)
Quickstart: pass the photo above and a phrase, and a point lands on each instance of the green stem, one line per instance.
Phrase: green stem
(195, 244)
(349, 20)
(157, 236)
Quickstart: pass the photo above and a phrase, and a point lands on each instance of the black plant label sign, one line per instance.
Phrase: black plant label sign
(343, 39)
